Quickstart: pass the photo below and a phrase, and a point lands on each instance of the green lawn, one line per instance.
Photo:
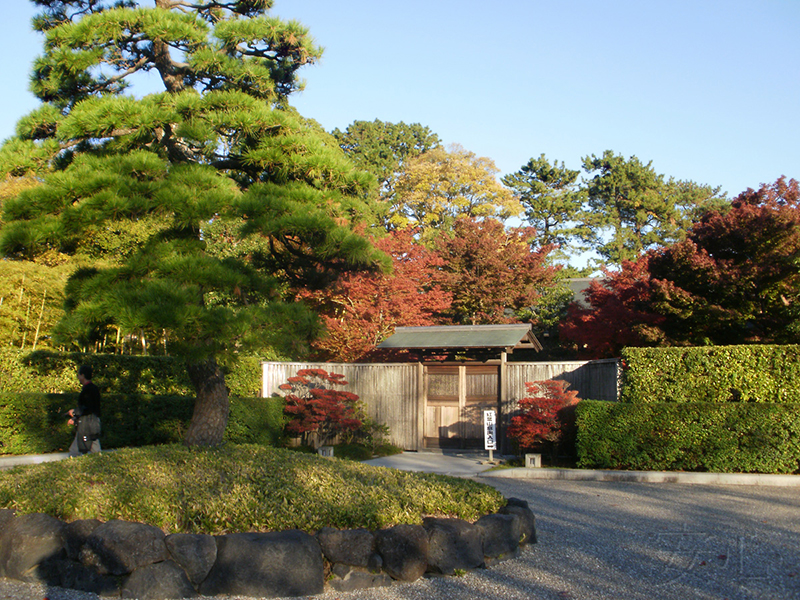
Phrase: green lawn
(238, 488)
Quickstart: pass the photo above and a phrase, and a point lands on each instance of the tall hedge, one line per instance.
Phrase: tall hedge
(710, 436)
(55, 372)
(146, 400)
(37, 424)
(711, 374)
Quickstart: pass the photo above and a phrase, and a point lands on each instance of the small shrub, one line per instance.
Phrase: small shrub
(371, 434)
(352, 452)
(316, 412)
(547, 416)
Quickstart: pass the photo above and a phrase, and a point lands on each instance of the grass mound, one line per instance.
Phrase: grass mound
(238, 488)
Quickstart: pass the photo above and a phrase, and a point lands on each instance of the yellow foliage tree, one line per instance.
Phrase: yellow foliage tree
(444, 184)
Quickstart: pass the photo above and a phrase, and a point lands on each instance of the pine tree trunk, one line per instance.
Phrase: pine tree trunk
(211, 406)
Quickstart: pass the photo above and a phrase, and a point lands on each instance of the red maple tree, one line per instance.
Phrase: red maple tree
(733, 280)
(546, 415)
(318, 413)
(619, 313)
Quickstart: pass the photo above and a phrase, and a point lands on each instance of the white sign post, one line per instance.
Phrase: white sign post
(490, 433)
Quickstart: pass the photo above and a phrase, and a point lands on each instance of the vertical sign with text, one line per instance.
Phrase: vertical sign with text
(489, 430)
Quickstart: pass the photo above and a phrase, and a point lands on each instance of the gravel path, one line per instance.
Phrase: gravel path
(621, 541)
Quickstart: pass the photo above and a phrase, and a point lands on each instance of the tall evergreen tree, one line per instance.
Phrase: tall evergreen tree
(219, 144)
(632, 208)
(383, 148)
(552, 199)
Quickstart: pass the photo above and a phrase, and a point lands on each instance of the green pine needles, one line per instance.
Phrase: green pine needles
(197, 213)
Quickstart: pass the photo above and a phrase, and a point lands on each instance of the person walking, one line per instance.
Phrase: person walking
(86, 417)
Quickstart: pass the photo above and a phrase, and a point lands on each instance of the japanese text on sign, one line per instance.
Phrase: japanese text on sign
(489, 430)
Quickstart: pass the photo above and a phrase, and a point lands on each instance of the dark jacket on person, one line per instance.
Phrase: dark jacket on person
(89, 400)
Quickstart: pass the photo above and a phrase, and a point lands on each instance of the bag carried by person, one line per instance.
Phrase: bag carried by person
(88, 431)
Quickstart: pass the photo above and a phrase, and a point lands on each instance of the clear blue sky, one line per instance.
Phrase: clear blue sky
(709, 90)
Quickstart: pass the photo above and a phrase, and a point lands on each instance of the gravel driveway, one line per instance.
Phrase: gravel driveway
(620, 541)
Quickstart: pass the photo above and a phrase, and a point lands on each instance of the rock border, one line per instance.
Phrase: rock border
(135, 560)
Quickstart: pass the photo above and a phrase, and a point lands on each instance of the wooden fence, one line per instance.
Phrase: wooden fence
(388, 391)
(393, 394)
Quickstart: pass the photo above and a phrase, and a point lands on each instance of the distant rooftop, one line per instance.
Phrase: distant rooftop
(578, 285)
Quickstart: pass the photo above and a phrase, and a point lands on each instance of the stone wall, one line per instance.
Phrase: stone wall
(134, 560)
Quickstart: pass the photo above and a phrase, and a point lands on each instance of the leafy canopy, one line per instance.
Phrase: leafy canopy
(733, 280)
(384, 148)
(360, 310)
(218, 152)
(494, 274)
(441, 185)
(631, 208)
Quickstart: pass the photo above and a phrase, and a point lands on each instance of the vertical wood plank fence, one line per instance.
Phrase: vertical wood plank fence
(393, 393)
(388, 391)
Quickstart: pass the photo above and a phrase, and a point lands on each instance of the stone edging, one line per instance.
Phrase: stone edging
(134, 560)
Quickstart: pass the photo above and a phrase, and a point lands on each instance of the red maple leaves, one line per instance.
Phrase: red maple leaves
(318, 413)
(545, 416)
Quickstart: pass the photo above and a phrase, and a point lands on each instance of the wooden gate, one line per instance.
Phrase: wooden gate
(455, 398)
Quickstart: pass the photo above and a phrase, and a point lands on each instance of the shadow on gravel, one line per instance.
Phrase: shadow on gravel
(657, 541)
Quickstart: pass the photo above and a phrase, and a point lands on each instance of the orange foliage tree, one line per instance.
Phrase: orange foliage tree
(362, 309)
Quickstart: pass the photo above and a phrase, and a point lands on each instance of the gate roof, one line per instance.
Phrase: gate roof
(468, 337)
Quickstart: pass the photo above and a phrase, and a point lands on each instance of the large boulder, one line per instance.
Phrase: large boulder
(30, 546)
(75, 576)
(121, 547)
(352, 547)
(196, 553)
(284, 563)
(6, 516)
(500, 534)
(158, 582)
(527, 520)
(76, 534)
(404, 550)
(453, 544)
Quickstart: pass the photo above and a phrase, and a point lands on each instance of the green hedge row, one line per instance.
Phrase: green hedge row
(729, 437)
(36, 423)
(55, 372)
(711, 374)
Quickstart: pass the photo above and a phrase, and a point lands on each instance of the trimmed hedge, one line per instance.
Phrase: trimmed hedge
(730, 437)
(36, 423)
(55, 372)
(711, 374)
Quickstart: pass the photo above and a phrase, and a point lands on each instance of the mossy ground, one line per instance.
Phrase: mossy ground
(238, 488)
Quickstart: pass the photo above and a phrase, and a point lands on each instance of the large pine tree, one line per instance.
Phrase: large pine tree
(218, 154)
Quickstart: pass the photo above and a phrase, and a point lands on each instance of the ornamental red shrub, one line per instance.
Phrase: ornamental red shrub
(318, 413)
(547, 415)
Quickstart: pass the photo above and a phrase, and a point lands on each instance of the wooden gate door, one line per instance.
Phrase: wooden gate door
(455, 398)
